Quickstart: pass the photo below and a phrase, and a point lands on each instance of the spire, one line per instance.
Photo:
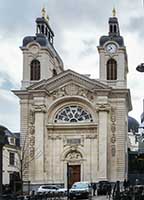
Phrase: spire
(43, 26)
(113, 24)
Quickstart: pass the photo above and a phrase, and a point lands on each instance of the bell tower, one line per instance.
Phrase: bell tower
(40, 59)
(113, 56)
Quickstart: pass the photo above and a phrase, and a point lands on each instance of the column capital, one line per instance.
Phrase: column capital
(39, 108)
(103, 107)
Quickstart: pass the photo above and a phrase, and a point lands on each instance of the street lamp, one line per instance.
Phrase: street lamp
(140, 67)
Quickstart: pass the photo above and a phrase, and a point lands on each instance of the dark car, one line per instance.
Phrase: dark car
(81, 190)
(102, 187)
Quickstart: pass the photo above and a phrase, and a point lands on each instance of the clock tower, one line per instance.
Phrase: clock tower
(113, 56)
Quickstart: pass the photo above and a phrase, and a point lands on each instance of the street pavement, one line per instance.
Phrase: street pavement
(99, 198)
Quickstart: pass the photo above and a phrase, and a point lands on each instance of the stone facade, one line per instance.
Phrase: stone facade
(70, 120)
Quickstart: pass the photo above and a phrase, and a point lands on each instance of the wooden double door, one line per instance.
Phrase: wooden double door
(74, 172)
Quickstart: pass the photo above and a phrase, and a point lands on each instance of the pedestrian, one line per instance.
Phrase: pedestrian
(94, 188)
(109, 191)
(125, 184)
(116, 191)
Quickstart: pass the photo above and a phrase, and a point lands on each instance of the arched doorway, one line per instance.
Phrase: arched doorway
(73, 167)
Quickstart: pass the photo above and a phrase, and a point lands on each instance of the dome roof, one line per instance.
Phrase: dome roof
(5, 132)
(133, 124)
(117, 39)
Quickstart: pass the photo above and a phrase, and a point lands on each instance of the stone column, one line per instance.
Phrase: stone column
(102, 110)
(39, 141)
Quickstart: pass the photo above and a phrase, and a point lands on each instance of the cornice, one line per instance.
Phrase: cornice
(21, 93)
(71, 126)
(28, 94)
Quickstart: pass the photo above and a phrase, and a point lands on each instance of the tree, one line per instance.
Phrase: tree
(26, 155)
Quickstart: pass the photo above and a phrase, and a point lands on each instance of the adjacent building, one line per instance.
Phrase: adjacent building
(73, 124)
(11, 151)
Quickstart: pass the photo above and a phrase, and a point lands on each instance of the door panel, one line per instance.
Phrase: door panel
(74, 174)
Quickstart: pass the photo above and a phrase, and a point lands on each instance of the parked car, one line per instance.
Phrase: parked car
(47, 188)
(81, 190)
(102, 187)
(51, 189)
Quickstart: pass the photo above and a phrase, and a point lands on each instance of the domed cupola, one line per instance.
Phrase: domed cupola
(133, 125)
(114, 31)
(6, 133)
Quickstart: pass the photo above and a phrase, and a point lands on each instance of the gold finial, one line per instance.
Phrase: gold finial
(114, 12)
(43, 12)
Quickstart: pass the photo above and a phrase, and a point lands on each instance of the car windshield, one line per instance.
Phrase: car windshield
(79, 185)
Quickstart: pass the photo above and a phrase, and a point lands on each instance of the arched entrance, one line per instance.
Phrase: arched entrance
(73, 158)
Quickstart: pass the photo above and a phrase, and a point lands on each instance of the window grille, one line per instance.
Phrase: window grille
(73, 114)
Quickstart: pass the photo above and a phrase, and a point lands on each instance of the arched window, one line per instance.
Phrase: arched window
(73, 114)
(111, 69)
(54, 72)
(115, 28)
(111, 28)
(35, 70)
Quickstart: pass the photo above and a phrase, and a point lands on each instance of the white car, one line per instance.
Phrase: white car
(51, 189)
(48, 188)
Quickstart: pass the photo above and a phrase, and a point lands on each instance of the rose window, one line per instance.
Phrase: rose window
(73, 114)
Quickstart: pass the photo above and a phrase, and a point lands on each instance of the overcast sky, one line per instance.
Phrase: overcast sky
(78, 25)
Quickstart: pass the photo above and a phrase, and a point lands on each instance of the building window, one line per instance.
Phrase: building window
(54, 72)
(111, 69)
(35, 70)
(11, 158)
(12, 140)
(73, 114)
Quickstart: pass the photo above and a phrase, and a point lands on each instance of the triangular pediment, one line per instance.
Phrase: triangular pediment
(68, 77)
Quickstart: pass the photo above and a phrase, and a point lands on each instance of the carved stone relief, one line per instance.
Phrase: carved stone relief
(31, 141)
(113, 150)
(31, 116)
(31, 132)
(54, 137)
(72, 90)
(59, 93)
(40, 108)
(113, 130)
(73, 155)
(103, 107)
(91, 136)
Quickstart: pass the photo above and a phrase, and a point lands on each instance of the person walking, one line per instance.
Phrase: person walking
(94, 188)
(116, 191)
(109, 188)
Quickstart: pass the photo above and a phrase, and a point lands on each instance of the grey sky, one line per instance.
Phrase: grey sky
(78, 25)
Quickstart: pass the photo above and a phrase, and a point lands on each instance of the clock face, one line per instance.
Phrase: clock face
(111, 48)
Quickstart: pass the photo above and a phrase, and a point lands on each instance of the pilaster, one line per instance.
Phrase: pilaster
(103, 110)
(40, 111)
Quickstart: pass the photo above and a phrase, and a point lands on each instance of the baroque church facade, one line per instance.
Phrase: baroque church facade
(72, 125)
